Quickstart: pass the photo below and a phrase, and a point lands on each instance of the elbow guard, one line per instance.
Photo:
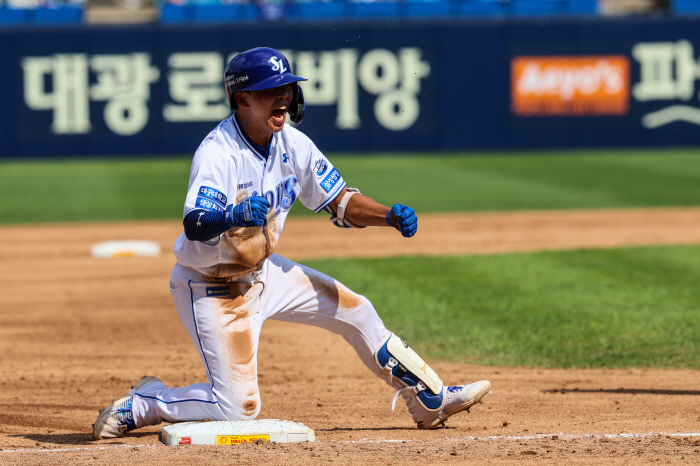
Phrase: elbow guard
(338, 219)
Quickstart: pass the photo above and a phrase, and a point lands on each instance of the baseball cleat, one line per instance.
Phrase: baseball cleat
(458, 399)
(145, 380)
(118, 418)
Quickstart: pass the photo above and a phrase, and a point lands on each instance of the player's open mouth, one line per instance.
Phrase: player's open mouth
(278, 113)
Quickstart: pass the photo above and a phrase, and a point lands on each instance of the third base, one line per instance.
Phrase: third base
(236, 432)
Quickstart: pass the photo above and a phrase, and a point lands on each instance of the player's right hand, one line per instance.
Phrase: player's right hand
(250, 212)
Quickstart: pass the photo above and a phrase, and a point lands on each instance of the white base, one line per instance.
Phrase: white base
(235, 432)
(126, 248)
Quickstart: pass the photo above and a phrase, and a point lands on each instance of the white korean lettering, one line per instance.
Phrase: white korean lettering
(379, 71)
(320, 70)
(413, 69)
(397, 82)
(124, 81)
(348, 116)
(658, 61)
(69, 95)
(196, 85)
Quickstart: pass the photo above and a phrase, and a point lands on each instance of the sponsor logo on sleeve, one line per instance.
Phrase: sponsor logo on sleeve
(320, 167)
(330, 180)
(214, 196)
(208, 204)
(570, 85)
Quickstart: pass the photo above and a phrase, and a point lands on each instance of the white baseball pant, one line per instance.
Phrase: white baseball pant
(224, 322)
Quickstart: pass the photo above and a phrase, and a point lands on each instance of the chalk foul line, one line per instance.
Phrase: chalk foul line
(455, 439)
(532, 437)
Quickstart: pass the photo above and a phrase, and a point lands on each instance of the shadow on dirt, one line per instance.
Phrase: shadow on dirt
(82, 438)
(354, 429)
(627, 391)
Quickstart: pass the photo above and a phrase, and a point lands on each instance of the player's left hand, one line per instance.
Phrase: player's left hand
(404, 219)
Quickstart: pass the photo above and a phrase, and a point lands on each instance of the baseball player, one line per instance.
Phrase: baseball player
(245, 176)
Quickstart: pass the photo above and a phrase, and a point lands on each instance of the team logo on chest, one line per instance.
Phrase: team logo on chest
(283, 196)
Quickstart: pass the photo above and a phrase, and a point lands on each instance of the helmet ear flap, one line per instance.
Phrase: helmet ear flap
(297, 107)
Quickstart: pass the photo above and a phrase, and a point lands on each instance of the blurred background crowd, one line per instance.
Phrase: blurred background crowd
(144, 11)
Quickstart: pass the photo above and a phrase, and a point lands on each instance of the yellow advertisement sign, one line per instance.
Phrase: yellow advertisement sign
(238, 439)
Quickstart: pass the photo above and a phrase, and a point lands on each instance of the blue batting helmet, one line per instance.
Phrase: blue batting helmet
(263, 68)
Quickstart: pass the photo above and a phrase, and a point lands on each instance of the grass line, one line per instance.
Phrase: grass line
(132, 189)
(628, 307)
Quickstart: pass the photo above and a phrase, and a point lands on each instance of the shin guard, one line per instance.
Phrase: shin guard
(404, 370)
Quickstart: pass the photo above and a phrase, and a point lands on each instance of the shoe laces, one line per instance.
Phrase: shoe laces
(124, 415)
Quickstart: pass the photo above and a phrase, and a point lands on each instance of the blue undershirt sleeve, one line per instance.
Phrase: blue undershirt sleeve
(203, 225)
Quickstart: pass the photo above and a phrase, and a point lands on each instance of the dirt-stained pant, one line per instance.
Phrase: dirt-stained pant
(224, 322)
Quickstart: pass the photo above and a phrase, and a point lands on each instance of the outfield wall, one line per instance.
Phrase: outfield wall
(372, 86)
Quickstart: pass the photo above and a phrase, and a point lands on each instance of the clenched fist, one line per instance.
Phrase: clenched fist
(250, 212)
(404, 219)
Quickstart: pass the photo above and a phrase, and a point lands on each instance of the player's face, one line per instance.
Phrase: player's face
(269, 107)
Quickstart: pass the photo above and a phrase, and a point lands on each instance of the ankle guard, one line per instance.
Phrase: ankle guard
(402, 365)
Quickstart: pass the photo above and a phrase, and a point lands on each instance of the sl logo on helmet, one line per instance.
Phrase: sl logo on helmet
(277, 66)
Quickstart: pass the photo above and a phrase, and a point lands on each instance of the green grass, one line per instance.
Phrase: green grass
(51, 191)
(630, 307)
(46, 191)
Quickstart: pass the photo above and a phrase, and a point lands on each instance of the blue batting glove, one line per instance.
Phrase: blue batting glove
(404, 219)
(250, 212)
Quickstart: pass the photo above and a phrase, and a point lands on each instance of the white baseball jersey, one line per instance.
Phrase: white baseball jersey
(227, 168)
(220, 302)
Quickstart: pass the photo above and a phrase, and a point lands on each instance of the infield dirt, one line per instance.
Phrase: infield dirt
(77, 332)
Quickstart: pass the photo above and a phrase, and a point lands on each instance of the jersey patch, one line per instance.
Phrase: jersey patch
(330, 180)
(208, 204)
(320, 167)
(216, 291)
(213, 194)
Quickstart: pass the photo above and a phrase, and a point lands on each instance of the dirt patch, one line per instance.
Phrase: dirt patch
(76, 332)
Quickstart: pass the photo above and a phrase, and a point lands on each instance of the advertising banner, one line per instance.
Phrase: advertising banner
(570, 85)
(371, 86)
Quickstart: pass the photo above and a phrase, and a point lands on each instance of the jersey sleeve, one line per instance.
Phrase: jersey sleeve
(211, 179)
(320, 181)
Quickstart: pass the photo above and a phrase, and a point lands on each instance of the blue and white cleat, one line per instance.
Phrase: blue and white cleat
(458, 399)
(118, 418)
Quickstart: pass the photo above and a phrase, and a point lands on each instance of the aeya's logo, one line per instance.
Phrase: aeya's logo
(277, 66)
